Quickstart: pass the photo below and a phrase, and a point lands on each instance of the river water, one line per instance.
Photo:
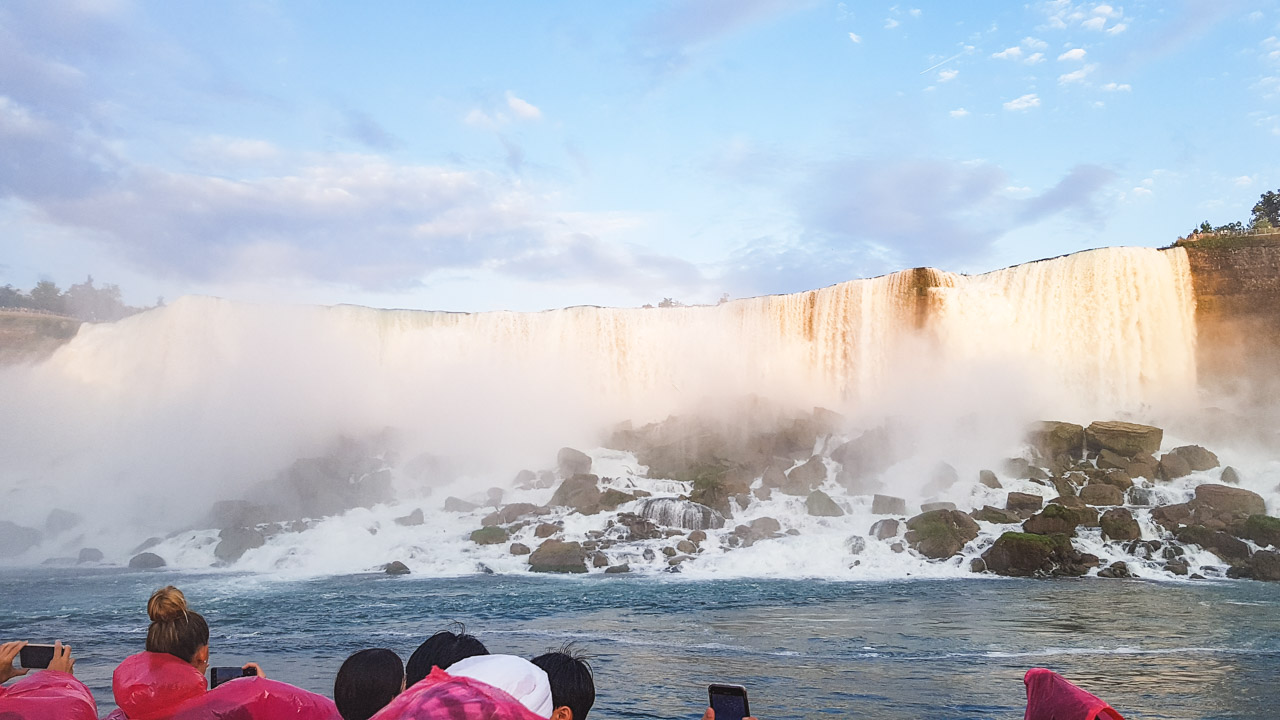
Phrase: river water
(893, 649)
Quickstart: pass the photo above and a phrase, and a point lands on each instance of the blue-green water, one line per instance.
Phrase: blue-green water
(906, 649)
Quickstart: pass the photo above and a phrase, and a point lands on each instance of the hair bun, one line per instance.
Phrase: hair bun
(166, 604)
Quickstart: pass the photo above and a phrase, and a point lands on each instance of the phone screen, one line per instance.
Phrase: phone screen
(219, 675)
(36, 657)
(729, 701)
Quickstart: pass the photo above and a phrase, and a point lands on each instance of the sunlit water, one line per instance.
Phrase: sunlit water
(904, 649)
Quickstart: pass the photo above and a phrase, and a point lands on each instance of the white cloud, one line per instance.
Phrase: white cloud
(959, 113)
(1142, 192)
(1106, 11)
(1117, 87)
(1035, 44)
(916, 12)
(1117, 29)
(1094, 23)
(1012, 53)
(890, 23)
(1073, 54)
(947, 75)
(1077, 76)
(1026, 102)
(1035, 58)
(523, 108)
(482, 119)
(1244, 181)
(855, 37)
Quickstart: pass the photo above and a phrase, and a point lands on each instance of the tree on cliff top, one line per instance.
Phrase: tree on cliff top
(1267, 212)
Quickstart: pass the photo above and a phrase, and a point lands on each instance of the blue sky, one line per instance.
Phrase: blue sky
(484, 155)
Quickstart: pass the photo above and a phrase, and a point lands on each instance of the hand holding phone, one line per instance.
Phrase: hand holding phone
(219, 675)
(41, 657)
(728, 702)
(8, 653)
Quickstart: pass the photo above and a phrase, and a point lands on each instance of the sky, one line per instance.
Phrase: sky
(484, 155)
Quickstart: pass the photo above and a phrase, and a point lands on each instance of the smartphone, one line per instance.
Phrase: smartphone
(729, 701)
(36, 657)
(219, 675)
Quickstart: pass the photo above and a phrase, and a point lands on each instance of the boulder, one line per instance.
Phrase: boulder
(458, 505)
(1030, 555)
(599, 560)
(353, 473)
(819, 504)
(1262, 529)
(580, 493)
(989, 479)
(146, 561)
(1177, 567)
(395, 567)
(1021, 469)
(1118, 478)
(1116, 569)
(995, 515)
(855, 544)
(1143, 466)
(413, 519)
(874, 451)
(1111, 460)
(612, 499)
(89, 555)
(1219, 543)
(1054, 519)
(930, 506)
(697, 536)
(687, 547)
(715, 485)
(1051, 439)
(805, 478)
(1196, 457)
(759, 529)
(1023, 503)
(1119, 524)
(884, 529)
(888, 505)
(557, 556)
(1229, 476)
(1224, 500)
(492, 535)
(519, 549)
(525, 480)
(16, 539)
(940, 534)
(234, 542)
(570, 462)
(545, 530)
(617, 569)
(1099, 494)
(942, 478)
(638, 528)
(1172, 467)
(241, 513)
(60, 521)
(683, 514)
(1265, 565)
(1125, 438)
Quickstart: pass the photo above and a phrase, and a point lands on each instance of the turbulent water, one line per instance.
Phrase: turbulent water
(894, 650)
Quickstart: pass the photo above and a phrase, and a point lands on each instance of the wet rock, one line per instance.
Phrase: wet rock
(1261, 529)
(638, 528)
(714, 486)
(1177, 567)
(1265, 566)
(888, 505)
(1196, 457)
(855, 544)
(146, 561)
(458, 505)
(493, 496)
(611, 499)
(1111, 460)
(1023, 504)
(89, 555)
(1143, 466)
(351, 474)
(1119, 524)
(1118, 570)
(989, 479)
(697, 536)
(519, 549)
(687, 547)
(1229, 476)
(874, 451)
(1051, 439)
(1140, 496)
(943, 477)
(940, 534)
(669, 551)
(1172, 467)
(556, 556)
(16, 539)
(1099, 494)
(1225, 504)
(683, 514)
(819, 504)
(580, 493)
(525, 480)
(995, 515)
(759, 529)
(1031, 555)
(492, 535)
(1125, 438)
(649, 554)
(805, 478)
(617, 569)
(1021, 469)
(1054, 519)
(545, 530)
(884, 529)
(1219, 543)
(1117, 478)
(240, 513)
(235, 542)
(60, 521)
(898, 547)
(413, 519)
(599, 560)
(395, 567)
(570, 462)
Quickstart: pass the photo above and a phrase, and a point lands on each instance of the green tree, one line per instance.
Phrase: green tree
(11, 297)
(1267, 211)
(86, 302)
(46, 296)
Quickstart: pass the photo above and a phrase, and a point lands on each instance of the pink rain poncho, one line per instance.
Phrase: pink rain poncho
(48, 694)
(441, 695)
(159, 686)
(1052, 697)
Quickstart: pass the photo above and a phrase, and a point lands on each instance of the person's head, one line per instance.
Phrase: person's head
(366, 682)
(176, 630)
(442, 650)
(513, 675)
(573, 687)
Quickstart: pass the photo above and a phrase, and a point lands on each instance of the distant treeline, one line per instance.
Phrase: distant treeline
(83, 301)
(1266, 216)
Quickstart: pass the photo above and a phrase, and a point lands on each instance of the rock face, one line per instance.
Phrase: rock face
(1119, 524)
(1225, 500)
(16, 539)
(492, 535)
(458, 505)
(1099, 494)
(995, 515)
(1023, 503)
(683, 514)
(1172, 467)
(1196, 457)
(1051, 439)
(940, 533)
(413, 519)
(1229, 476)
(146, 561)
(1262, 529)
(1124, 438)
(570, 462)
(1265, 565)
(1054, 519)
(89, 555)
(989, 479)
(234, 542)
(888, 505)
(805, 478)
(1217, 542)
(820, 504)
(557, 556)
(884, 529)
(395, 567)
(1029, 555)
(579, 492)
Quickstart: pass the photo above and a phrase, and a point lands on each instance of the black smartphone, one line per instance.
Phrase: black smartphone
(219, 675)
(729, 701)
(36, 657)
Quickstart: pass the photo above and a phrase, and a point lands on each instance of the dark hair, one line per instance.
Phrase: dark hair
(367, 682)
(442, 650)
(175, 629)
(572, 683)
